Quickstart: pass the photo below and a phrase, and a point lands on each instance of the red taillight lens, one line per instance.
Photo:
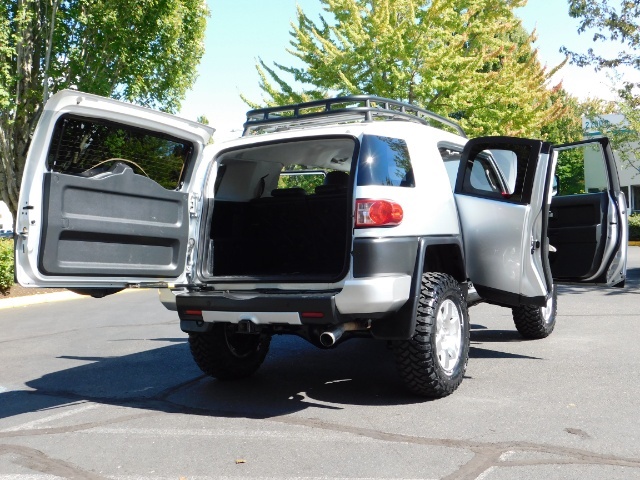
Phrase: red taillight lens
(377, 213)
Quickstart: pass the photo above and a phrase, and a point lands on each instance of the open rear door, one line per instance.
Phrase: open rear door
(104, 200)
(502, 193)
(588, 219)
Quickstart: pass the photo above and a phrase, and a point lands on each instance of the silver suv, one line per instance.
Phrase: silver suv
(348, 217)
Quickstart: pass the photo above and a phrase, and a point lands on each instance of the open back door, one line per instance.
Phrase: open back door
(503, 193)
(588, 219)
(104, 199)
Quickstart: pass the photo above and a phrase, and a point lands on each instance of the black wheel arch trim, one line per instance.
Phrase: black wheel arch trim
(401, 325)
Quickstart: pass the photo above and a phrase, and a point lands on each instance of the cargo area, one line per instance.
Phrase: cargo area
(282, 210)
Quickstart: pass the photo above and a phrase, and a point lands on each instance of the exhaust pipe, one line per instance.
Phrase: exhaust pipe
(330, 337)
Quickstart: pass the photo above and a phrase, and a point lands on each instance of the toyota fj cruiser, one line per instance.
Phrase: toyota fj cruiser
(347, 217)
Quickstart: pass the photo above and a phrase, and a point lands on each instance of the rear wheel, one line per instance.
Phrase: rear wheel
(226, 355)
(432, 363)
(537, 322)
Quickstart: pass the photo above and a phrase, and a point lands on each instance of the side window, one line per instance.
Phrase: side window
(87, 148)
(484, 176)
(499, 173)
(451, 158)
(384, 161)
(581, 169)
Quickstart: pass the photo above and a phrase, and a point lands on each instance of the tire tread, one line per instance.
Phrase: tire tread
(415, 358)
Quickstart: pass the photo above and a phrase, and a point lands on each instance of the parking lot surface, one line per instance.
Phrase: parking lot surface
(106, 388)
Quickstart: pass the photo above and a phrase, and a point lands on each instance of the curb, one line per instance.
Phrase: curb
(63, 296)
(41, 298)
(37, 299)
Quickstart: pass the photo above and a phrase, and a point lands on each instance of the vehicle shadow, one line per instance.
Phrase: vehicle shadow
(294, 377)
(632, 286)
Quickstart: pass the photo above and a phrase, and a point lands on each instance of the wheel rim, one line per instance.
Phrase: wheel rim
(547, 310)
(448, 336)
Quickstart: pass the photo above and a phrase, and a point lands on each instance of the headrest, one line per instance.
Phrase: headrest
(336, 178)
(288, 192)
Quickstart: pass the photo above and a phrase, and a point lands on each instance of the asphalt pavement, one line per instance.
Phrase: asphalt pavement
(106, 388)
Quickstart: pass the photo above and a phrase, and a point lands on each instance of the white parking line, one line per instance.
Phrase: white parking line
(29, 477)
(51, 418)
(233, 433)
(506, 455)
(485, 473)
(119, 477)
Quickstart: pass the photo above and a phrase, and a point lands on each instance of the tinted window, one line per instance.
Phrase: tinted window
(86, 147)
(384, 161)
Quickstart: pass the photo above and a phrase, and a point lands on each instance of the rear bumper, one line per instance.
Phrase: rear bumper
(359, 298)
(292, 308)
(374, 295)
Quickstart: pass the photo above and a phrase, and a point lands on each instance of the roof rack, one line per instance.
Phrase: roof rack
(354, 108)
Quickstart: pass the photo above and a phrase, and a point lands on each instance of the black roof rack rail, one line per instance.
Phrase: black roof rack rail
(340, 110)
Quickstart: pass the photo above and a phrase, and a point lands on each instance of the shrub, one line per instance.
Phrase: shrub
(6, 264)
(634, 227)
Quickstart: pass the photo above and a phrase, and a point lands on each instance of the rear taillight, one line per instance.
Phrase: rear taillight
(377, 213)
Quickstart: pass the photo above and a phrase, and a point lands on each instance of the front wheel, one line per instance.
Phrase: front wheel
(224, 354)
(432, 363)
(537, 322)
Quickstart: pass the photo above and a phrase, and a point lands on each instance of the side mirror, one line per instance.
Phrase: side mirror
(555, 185)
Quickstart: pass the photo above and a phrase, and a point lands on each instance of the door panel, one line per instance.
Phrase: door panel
(588, 221)
(502, 200)
(104, 200)
(121, 224)
(577, 230)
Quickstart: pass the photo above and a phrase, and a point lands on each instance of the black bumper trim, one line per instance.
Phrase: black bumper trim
(262, 302)
(382, 256)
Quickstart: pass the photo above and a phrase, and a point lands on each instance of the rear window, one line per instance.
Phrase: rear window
(88, 147)
(384, 161)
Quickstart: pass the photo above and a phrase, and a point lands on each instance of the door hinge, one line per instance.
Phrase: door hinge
(189, 263)
(535, 244)
(194, 201)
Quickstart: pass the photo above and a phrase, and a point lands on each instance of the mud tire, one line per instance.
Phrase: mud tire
(533, 322)
(424, 371)
(225, 355)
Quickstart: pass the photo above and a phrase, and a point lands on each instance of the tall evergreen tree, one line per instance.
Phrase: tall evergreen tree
(466, 59)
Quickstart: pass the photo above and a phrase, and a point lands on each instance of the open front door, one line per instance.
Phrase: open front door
(588, 219)
(105, 195)
(503, 193)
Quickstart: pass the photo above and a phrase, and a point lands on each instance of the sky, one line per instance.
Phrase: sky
(241, 31)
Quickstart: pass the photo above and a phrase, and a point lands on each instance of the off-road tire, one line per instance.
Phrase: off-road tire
(534, 322)
(417, 358)
(225, 355)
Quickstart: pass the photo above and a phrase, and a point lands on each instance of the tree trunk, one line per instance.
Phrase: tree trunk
(17, 127)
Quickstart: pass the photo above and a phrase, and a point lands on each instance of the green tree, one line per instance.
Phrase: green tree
(613, 22)
(624, 136)
(465, 59)
(608, 23)
(567, 128)
(143, 51)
